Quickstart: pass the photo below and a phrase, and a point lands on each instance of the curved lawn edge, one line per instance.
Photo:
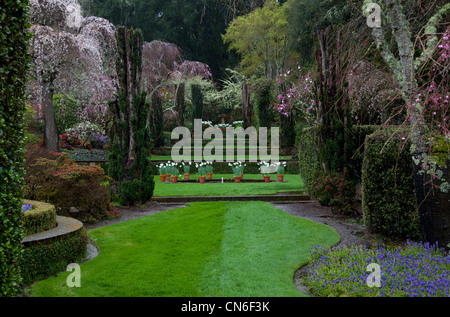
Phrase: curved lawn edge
(205, 249)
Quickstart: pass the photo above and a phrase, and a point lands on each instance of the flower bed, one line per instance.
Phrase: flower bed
(415, 269)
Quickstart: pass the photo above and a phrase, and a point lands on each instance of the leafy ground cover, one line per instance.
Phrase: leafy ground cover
(293, 183)
(205, 249)
(87, 155)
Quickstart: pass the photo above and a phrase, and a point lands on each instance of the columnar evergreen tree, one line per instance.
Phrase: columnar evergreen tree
(180, 106)
(14, 35)
(247, 110)
(197, 102)
(156, 120)
(129, 165)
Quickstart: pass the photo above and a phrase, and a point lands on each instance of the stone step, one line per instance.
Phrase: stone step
(64, 227)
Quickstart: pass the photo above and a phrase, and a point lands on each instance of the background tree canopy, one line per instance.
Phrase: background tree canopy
(195, 26)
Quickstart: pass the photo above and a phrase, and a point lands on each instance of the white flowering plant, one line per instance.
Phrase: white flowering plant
(201, 168)
(237, 167)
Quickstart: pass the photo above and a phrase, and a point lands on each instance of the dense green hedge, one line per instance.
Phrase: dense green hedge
(309, 157)
(45, 259)
(389, 198)
(14, 61)
(41, 218)
(310, 166)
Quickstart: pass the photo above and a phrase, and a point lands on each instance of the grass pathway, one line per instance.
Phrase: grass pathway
(205, 249)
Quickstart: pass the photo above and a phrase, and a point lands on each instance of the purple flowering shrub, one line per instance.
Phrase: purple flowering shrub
(413, 270)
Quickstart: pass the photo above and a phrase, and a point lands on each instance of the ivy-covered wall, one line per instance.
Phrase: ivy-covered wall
(14, 61)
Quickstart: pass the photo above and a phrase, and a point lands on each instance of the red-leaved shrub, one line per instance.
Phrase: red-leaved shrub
(78, 191)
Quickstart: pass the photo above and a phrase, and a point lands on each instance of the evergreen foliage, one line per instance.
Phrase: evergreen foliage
(197, 102)
(14, 61)
(128, 159)
(389, 199)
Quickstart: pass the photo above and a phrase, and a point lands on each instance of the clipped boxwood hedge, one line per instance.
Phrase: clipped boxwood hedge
(41, 218)
(389, 198)
(47, 258)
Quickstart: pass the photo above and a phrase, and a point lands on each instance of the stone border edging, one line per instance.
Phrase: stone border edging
(65, 226)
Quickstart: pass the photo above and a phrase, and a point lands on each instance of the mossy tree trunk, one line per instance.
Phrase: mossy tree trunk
(404, 68)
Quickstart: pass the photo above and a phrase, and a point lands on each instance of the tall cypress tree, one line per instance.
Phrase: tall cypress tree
(14, 61)
(197, 102)
(129, 165)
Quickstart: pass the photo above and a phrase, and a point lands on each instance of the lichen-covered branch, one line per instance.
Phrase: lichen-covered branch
(430, 31)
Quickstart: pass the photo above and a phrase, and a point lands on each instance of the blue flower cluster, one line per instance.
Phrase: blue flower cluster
(413, 270)
(26, 207)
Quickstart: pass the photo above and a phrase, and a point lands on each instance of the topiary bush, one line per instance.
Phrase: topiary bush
(14, 61)
(388, 188)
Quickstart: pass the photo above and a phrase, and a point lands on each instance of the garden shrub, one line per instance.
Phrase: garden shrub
(14, 61)
(135, 191)
(319, 183)
(41, 218)
(78, 191)
(309, 157)
(388, 188)
(43, 259)
(310, 165)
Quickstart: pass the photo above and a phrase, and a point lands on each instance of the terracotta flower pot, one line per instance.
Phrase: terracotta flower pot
(266, 178)
(174, 178)
(202, 179)
(237, 179)
(162, 178)
(167, 177)
(280, 178)
(209, 175)
(186, 176)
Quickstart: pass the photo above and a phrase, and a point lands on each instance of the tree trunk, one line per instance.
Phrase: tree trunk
(51, 131)
(246, 108)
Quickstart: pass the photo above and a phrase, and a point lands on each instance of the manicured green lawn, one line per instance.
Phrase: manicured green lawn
(293, 184)
(212, 157)
(205, 249)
